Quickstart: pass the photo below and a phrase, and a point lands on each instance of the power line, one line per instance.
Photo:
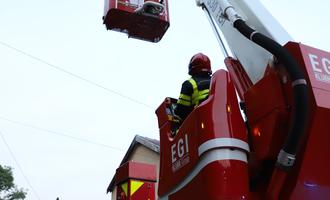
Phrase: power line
(61, 134)
(19, 166)
(64, 135)
(75, 75)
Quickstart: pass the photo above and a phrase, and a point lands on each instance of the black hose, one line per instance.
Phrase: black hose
(300, 88)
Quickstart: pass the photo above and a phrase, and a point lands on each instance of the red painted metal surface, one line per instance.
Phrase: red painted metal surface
(120, 15)
(310, 179)
(240, 78)
(197, 162)
(217, 180)
(145, 192)
(268, 115)
(187, 172)
(136, 170)
(269, 105)
(136, 181)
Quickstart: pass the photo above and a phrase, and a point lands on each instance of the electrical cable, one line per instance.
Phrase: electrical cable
(67, 136)
(19, 166)
(61, 134)
(74, 75)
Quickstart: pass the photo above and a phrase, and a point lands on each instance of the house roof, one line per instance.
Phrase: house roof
(151, 144)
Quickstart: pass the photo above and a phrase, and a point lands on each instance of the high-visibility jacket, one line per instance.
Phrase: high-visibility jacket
(193, 92)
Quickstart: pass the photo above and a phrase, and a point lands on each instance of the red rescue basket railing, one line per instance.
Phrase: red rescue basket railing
(141, 19)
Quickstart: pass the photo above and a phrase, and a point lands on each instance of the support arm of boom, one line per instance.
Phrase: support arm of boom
(224, 12)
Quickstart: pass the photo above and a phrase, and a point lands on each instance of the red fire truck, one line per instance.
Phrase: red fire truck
(280, 149)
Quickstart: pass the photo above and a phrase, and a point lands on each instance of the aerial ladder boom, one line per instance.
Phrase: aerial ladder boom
(280, 151)
(254, 14)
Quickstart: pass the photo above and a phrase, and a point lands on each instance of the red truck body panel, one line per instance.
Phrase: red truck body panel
(214, 155)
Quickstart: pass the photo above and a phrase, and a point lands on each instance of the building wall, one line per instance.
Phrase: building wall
(144, 155)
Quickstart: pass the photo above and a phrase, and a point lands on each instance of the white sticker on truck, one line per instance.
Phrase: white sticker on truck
(321, 67)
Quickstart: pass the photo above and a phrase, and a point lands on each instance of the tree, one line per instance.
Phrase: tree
(8, 190)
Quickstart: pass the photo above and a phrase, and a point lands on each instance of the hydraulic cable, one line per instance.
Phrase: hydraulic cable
(300, 90)
(291, 145)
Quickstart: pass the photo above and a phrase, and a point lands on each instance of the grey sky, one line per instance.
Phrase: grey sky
(70, 35)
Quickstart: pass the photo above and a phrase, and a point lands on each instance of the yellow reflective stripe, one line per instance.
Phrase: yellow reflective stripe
(202, 97)
(185, 97)
(184, 102)
(135, 185)
(193, 83)
(195, 89)
(124, 187)
(204, 92)
(197, 95)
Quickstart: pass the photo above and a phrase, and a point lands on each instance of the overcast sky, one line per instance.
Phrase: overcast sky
(74, 95)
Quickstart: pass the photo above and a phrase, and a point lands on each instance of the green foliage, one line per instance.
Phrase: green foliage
(8, 190)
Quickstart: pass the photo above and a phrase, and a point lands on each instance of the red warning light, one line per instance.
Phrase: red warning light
(256, 132)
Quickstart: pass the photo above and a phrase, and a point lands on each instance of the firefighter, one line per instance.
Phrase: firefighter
(196, 89)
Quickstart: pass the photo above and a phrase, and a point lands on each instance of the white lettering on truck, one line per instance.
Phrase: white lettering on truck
(321, 67)
(180, 153)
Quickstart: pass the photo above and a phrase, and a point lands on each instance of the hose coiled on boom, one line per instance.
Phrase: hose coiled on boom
(300, 90)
